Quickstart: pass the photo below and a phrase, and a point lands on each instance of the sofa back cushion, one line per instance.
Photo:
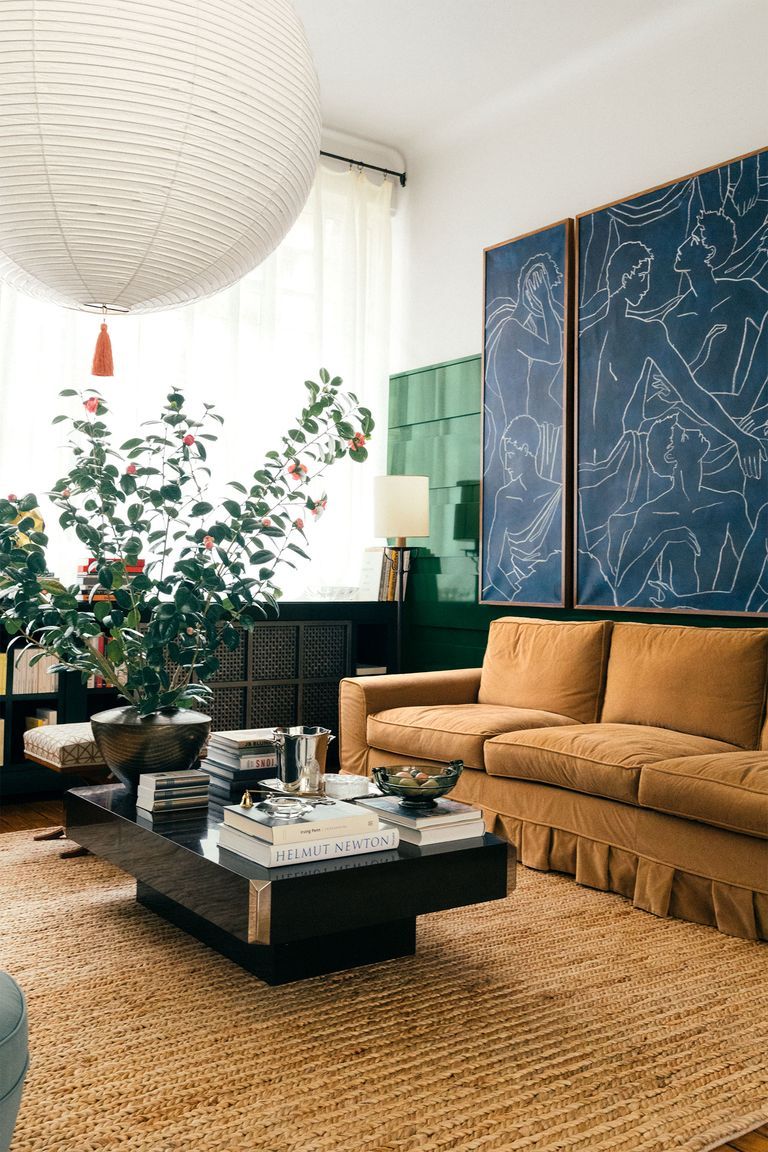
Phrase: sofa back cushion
(707, 681)
(554, 665)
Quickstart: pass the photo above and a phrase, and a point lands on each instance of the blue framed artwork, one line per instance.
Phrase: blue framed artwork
(526, 363)
(672, 396)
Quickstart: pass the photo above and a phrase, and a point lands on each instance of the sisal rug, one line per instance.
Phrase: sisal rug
(558, 1020)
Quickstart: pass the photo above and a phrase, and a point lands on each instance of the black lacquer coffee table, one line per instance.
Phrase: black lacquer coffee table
(285, 924)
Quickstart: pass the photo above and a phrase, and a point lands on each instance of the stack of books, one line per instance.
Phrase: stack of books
(448, 820)
(238, 760)
(326, 832)
(88, 586)
(170, 794)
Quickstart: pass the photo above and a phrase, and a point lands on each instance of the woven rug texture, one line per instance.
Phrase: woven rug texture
(558, 1020)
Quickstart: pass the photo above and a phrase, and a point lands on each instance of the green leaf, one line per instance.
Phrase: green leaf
(36, 563)
(133, 443)
(232, 507)
(101, 610)
(202, 508)
(58, 419)
(68, 392)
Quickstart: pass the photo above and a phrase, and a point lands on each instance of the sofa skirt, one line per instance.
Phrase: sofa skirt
(663, 864)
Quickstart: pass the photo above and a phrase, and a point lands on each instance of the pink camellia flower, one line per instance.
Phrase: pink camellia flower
(298, 523)
(319, 508)
(190, 631)
(12, 497)
(130, 470)
(65, 492)
(358, 441)
(208, 542)
(266, 522)
(296, 470)
(188, 440)
(91, 405)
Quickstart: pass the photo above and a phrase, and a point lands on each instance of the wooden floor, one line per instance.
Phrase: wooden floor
(16, 817)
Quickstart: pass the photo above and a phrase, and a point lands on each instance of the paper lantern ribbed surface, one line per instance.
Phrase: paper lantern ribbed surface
(151, 151)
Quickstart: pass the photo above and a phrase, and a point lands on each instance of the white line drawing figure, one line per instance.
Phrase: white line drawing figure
(633, 351)
(524, 344)
(749, 591)
(714, 324)
(690, 537)
(744, 193)
(524, 536)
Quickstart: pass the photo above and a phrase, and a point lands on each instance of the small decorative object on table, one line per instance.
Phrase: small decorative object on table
(345, 786)
(415, 787)
(301, 752)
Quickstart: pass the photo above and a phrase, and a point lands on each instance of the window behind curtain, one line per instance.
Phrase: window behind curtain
(322, 299)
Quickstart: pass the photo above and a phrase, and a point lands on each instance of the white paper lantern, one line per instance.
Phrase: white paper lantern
(151, 151)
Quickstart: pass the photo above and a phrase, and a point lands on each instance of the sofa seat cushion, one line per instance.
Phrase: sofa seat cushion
(728, 790)
(451, 731)
(600, 759)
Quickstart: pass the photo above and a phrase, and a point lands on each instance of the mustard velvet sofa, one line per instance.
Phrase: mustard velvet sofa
(632, 756)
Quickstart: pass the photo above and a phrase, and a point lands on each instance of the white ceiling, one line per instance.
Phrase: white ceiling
(397, 71)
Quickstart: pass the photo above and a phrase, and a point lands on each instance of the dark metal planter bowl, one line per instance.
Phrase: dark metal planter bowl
(166, 741)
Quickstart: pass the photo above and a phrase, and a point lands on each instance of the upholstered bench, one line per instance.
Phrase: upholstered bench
(67, 748)
(14, 1054)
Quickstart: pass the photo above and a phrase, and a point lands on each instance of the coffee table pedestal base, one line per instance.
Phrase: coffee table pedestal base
(296, 960)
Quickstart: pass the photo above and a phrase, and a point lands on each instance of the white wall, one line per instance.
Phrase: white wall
(681, 93)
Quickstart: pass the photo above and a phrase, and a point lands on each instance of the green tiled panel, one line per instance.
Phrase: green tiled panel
(445, 450)
(436, 393)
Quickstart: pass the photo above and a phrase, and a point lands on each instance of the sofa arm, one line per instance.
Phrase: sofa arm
(360, 696)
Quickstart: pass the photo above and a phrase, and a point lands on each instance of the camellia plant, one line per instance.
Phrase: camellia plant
(153, 629)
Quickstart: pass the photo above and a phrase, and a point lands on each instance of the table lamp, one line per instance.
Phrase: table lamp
(400, 510)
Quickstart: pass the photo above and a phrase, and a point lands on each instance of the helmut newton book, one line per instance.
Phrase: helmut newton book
(306, 852)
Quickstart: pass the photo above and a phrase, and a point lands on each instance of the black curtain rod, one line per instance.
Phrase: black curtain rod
(362, 164)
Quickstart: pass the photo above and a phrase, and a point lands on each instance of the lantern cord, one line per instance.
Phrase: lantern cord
(401, 176)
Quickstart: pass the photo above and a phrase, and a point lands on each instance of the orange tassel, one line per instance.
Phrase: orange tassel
(102, 356)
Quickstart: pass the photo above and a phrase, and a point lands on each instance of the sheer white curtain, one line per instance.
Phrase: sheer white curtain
(321, 300)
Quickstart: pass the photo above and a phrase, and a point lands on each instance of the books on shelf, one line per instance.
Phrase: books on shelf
(2, 742)
(272, 855)
(27, 678)
(88, 585)
(378, 573)
(3, 672)
(322, 821)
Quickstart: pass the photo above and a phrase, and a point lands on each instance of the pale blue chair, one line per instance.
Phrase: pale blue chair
(14, 1055)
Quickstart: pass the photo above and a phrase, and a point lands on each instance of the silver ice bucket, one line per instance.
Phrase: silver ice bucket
(301, 753)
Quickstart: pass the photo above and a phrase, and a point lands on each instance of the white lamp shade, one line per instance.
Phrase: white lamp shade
(151, 151)
(401, 506)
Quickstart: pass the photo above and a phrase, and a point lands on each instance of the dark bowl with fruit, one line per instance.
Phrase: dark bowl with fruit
(418, 787)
